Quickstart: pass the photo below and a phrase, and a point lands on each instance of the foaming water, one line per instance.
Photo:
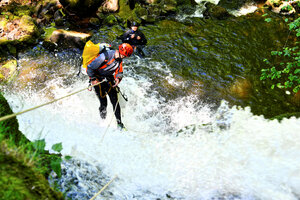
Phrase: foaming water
(173, 149)
(246, 9)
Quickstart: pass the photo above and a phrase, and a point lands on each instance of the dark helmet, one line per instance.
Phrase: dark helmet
(125, 49)
(134, 24)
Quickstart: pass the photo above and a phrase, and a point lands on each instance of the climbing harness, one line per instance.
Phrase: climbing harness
(117, 88)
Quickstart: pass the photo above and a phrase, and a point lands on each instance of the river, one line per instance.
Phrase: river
(189, 136)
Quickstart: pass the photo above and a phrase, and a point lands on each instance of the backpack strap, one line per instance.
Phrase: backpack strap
(104, 51)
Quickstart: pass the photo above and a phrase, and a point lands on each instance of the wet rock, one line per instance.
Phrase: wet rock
(46, 11)
(215, 12)
(110, 6)
(8, 70)
(68, 39)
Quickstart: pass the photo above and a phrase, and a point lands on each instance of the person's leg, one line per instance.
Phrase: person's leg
(102, 98)
(113, 96)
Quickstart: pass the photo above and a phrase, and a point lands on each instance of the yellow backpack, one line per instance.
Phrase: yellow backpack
(91, 51)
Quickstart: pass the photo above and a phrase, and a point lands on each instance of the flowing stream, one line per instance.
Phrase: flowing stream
(186, 139)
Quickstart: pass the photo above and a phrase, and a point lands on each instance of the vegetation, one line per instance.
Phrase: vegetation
(286, 73)
(25, 165)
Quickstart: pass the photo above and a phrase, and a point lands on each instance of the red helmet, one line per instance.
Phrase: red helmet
(125, 49)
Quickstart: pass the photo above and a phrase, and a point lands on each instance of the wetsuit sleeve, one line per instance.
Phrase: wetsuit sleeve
(94, 65)
(143, 40)
(126, 36)
(119, 72)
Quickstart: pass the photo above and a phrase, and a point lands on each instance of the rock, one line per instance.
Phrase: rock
(282, 7)
(110, 6)
(68, 39)
(170, 5)
(8, 70)
(19, 30)
(215, 12)
(241, 88)
(110, 20)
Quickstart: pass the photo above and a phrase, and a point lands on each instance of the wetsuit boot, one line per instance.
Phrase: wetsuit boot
(103, 112)
(121, 126)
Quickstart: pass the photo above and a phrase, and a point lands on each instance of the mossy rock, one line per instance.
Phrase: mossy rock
(18, 31)
(8, 71)
(215, 12)
(170, 5)
(110, 20)
(23, 10)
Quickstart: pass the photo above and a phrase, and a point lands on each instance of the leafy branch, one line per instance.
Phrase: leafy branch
(286, 74)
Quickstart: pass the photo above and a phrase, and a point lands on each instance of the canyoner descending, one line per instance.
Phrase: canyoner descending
(106, 67)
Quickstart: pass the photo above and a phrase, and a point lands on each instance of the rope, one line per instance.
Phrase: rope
(105, 186)
(109, 122)
(50, 102)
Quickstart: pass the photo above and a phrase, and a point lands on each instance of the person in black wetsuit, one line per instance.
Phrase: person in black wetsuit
(108, 65)
(135, 38)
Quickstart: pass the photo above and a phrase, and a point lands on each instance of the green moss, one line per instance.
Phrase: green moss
(19, 179)
(9, 128)
(125, 13)
(8, 70)
(23, 10)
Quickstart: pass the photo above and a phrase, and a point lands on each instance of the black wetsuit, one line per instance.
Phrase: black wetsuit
(139, 44)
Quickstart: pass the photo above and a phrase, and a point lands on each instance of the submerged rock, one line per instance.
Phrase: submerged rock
(241, 88)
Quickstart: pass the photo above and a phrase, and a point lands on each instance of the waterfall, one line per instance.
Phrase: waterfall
(173, 149)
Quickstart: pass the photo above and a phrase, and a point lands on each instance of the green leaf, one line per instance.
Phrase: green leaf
(57, 147)
(268, 20)
(56, 166)
(68, 157)
(297, 71)
(266, 14)
(286, 20)
(296, 89)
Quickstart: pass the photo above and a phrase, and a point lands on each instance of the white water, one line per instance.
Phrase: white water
(227, 154)
(244, 10)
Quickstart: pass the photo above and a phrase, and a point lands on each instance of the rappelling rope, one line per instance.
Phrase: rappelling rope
(109, 122)
(104, 187)
(50, 102)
